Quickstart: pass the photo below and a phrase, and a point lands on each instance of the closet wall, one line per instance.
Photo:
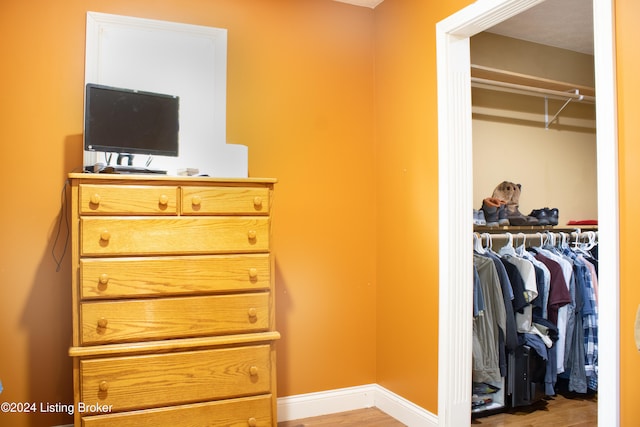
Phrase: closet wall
(556, 166)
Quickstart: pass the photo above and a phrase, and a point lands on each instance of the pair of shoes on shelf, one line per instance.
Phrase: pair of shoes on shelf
(546, 216)
(478, 217)
(509, 193)
(495, 212)
(516, 218)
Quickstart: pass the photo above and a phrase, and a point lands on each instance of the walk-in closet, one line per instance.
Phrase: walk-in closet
(535, 223)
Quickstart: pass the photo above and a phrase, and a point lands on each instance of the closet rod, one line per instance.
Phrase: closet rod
(530, 90)
(575, 234)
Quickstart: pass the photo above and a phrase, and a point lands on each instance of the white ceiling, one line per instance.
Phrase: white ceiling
(566, 24)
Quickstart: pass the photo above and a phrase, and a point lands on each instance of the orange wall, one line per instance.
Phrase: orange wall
(300, 80)
(628, 64)
(407, 182)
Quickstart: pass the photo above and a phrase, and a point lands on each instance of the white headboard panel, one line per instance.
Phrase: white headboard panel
(173, 58)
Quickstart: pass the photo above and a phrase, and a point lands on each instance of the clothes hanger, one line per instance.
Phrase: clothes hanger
(584, 242)
(550, 242)
(592, 240)
(563, 242)
(576, 242)
(508, 249)
(489, 245)
(576, 238)
(521, 248)
(477, 244)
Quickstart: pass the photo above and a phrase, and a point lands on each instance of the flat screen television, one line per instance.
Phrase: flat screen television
(126, 121)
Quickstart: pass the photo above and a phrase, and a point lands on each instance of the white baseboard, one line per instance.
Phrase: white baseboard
(404, 410)
(351, 398)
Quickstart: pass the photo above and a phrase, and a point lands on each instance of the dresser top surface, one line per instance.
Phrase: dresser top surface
(152, 178)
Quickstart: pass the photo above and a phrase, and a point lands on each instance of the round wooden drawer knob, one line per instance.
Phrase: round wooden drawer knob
(95, 199)
(253, 273)
(105, 235)
(253, 371)
(163, 200)
(253, 312)
(103, 386)
(252, 422)
(102, 322)
(257, 201)
(104, 279)
(252, 234)
(196, 200)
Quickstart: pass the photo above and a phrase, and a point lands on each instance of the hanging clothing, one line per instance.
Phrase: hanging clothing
(544, 298)
(488, 326)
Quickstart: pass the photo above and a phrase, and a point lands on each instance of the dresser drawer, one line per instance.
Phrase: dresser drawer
(225, 200)
(161, 318)
(141, 276)
(128, 199)
(242, 412)
(145, 381)
(173, 235)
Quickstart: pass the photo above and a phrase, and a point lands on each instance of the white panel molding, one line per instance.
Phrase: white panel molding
(352, 398)
(608, 213)
(186, 60)
(456, 281)
(455, 204)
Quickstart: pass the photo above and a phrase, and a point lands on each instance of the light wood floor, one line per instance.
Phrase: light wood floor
(371, 417)
(566, 410)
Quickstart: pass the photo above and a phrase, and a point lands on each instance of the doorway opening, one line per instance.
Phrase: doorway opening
(456, 194)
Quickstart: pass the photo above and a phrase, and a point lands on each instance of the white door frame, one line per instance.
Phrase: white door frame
(455, 205)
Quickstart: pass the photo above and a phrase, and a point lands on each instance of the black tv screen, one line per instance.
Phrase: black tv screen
(128, 121)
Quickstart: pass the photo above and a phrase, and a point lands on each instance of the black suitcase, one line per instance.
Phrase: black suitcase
(525, 377)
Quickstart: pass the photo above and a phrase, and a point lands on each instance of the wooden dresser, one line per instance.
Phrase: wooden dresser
(173, 301)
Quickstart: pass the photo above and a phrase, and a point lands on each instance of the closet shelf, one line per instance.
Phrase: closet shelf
(506, 81)
(532, 228)
(531, 85)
